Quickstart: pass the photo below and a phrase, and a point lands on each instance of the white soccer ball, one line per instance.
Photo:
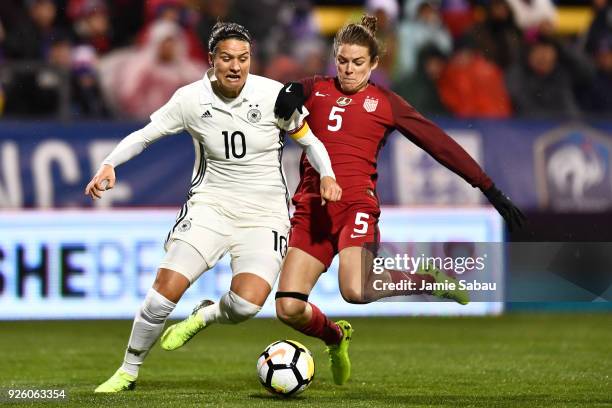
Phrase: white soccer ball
(285, 367)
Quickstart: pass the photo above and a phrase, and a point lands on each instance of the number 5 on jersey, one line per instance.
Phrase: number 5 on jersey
(334, 116)
(361, 225)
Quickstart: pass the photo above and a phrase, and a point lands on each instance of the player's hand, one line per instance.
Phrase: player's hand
(290, 98)
(330, 190)
(103, 180)
(506, 208)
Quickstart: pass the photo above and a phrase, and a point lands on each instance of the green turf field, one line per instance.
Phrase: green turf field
(533, 360)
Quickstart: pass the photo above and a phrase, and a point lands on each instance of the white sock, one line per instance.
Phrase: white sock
(148, 325)
(230, 309)
(210, 314)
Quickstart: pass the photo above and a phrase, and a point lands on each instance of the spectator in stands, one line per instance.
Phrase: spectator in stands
(13, 13)
(127, 18)
(312, 57)
(598, 97)
(90, 21)
(288, 24)
(275, 24)
(579, 67)
(539, 85)
(601, 26)
(87, 99)
(212, 11)
(421, 26)
(420, 89)
(39, 91)
(149, 77)
(471, 86)
(1, 100)
(32, 39)
(387, 14)
(532, 14)
(60, 53)
(296, 23)
(176, 12)
(458, 16)
(2, 37)
(498, 37)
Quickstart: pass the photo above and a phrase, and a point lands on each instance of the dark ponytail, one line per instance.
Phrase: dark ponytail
(223, 31)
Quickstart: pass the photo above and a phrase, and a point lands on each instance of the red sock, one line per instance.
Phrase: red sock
(321, 327)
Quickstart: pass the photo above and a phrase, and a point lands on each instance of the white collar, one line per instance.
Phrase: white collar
(208, 96)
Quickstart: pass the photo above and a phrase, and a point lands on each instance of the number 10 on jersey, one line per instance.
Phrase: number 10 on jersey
(280, 243)
(230, 144)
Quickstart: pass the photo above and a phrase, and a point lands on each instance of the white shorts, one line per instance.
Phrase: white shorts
(258, 250)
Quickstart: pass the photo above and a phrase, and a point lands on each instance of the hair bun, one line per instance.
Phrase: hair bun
(363, 34)
(370, 23)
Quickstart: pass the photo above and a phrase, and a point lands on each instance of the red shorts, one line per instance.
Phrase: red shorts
(323, 231)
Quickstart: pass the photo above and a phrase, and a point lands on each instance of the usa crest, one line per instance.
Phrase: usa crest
(343, 101)
(254, 114)
(370, 104)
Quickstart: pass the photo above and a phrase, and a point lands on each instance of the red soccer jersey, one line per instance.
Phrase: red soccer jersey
(354, 127)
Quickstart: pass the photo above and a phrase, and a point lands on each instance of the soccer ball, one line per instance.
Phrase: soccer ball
(285, 367)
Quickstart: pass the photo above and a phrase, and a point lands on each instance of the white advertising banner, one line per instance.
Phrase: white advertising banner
(99, 264)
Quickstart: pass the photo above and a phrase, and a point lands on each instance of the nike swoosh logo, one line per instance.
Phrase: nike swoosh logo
(357, 236)
(280, 352)
(289, 88)
(320, 94)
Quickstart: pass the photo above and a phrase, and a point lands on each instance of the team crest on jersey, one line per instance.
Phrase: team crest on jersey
(343, 101)
(184, 226)
(370, 104)
(254, 114)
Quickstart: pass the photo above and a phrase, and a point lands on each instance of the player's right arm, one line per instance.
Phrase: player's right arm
(165, 121)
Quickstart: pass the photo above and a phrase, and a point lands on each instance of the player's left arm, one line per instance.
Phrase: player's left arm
(292, 97)
(297, 128)
(429, 137)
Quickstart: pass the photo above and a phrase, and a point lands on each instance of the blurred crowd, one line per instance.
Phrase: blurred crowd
(466, 58)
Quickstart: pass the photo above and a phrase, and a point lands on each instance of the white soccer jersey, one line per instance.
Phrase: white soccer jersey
(238, 146)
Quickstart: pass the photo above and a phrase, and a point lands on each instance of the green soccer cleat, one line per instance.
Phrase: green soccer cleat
(179, 334)
(338, 354)
(120, 381)
(460, 296)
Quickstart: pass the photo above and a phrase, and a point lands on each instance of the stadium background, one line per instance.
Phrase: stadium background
(528, 93)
